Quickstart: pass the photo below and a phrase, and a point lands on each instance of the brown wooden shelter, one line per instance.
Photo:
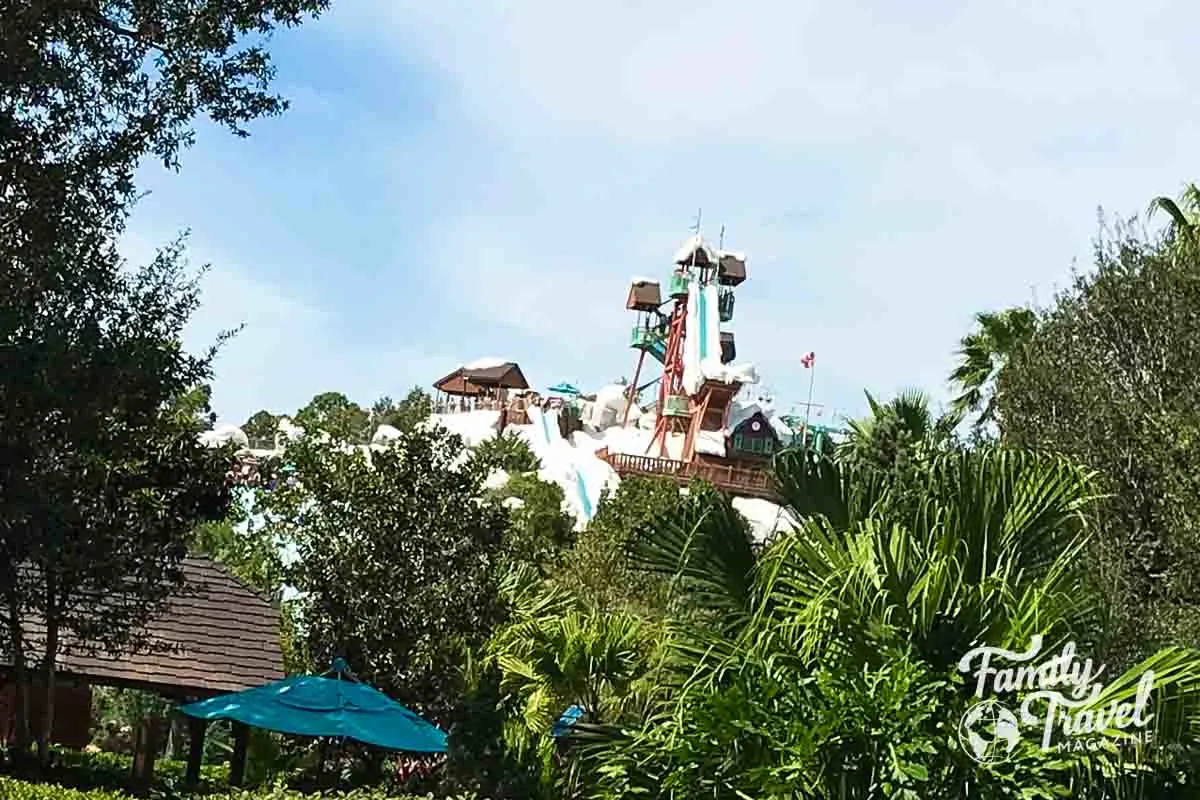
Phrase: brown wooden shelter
(490, 383)
(469, 382)
(216, 636)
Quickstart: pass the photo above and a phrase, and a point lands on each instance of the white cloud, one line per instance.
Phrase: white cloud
(889, 169)
(955, 156)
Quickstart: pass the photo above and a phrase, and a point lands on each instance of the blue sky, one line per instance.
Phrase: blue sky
(463, 180)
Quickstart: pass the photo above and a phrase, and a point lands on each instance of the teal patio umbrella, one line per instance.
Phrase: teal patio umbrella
(313, 705)
(564, 388)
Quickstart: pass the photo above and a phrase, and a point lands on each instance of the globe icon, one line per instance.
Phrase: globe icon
(988, 732)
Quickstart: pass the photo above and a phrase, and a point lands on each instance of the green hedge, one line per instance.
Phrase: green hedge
(12, 789)
(113, 770)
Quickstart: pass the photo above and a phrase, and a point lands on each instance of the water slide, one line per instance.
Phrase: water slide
(558, 462)
(702, 345)
(708, 313)
(693, 340)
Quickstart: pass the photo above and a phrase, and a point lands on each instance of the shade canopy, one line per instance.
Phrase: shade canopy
(308, 705)
(567, 721)
(564, 388)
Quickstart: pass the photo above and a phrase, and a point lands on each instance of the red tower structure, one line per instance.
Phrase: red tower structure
(674, 407)
(662, 334)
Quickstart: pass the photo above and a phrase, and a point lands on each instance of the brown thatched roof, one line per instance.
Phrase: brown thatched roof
(217, 636)
(469, 382)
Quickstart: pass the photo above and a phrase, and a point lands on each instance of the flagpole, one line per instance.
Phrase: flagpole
(808, 408)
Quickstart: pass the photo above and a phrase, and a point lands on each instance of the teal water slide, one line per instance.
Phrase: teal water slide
(550, 436)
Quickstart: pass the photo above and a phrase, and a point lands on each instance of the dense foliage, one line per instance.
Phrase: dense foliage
(821, 664)
(508, 452)
(12, 789)
(1109, 379)
(342, 419)
(826, 664)
(397, 557)
(103, 478)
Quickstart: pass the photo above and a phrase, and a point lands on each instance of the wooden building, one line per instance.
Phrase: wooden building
(215, 636)
(485, 387)
(754, 438)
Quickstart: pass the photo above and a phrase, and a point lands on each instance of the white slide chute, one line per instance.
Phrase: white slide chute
(561, 464)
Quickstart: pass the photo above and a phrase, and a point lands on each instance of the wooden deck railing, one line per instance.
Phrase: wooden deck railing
(743, 481)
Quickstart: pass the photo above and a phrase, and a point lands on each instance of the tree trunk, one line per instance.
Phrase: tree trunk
(45, 738)
(20, 672)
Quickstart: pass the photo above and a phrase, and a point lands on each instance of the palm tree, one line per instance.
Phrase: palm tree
(906, 422)
(982, 353)
(554, 653)
(1184, 213)
(827, 665)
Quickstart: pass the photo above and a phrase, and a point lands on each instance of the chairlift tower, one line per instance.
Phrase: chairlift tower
(662, 329)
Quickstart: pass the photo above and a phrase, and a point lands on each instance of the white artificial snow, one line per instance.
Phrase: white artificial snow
(765, 517)
(711, 443)
(608, 408)
(496, 479)
(581, 475)
(224, 434)
(487, 363)
(695, 242)
(472, 426)
(385, 433)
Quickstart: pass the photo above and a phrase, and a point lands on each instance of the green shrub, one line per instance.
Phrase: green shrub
(508, 452)
(12, 789)
(113, 770)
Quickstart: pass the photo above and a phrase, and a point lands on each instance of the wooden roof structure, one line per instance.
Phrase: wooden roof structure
(216, 636)
(466, 382)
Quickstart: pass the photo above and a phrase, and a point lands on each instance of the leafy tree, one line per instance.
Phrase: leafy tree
(1184, 214)
(397, 555)
(1110, 380)
(539, 530)
(415, 408)
(105, 480)
(897, 440)
(982, 354)
(261, 426)
(247, 551)
(334, 414)
(86, 91)
(597, 567)
(194, 407)
(89, 89)
(508, 452)
(478, 760)
(553, 653)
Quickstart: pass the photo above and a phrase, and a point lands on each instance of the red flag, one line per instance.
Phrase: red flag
(807, 360)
